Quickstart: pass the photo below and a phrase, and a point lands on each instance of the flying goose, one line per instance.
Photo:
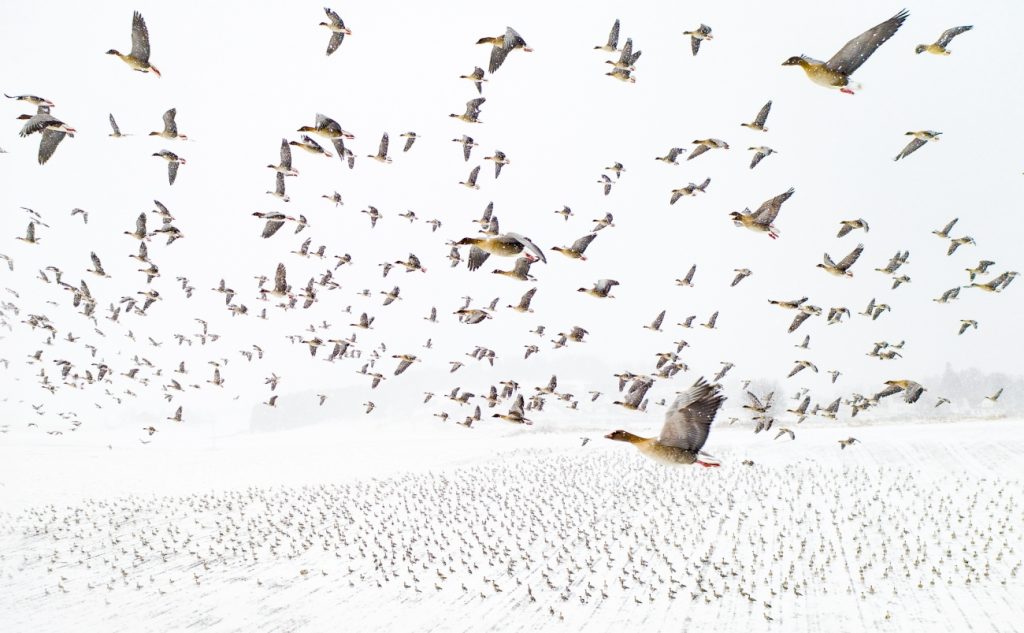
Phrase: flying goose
(173, 160)
(477, 77)
(760, 152)
(689, 190)
(835, 73)
(848, 225)
(920, 139)
(687, 425)
(763, 219)
(170, 130)
(472, 113)
(939, 47)
(704, 145)
(613, 40)
(698, 35)
(138, 58)
(842, 269)
(601, 289)
(502, 45)
(578, 247)
(507, 245)
(760, 119)
(337, 28)
(382, 152)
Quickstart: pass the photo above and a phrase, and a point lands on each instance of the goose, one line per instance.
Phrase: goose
(687, 425)
(115, 131)
(410, 138)
(763, 219)
(704, 145)
(760, 153)
(470, 183)
(741, 274)
(578, 247)
(286, 160)
(515, 413)
(500, 160)
(689, 190)
(698, 35)
(848, 225)
(939, 46)
(759, 121)
(502, 45)
(524, 301)
(382, 152)
(170, 130)
(520, 270)
(337, 28)
(920, 139)
(138, 58)
(842, 269)
(612, 44)
(477, 77)
(602, 288)
(688, 279)
(311, 146)
(472, 113)
(835, 73)
(173, 160)
(944, 232)
(507, 245)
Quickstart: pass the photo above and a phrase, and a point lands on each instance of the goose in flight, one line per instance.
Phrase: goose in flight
(601, 289)
(842, 269)
(173, 160)
(763, 219)
(507, 245)
(337, 28)
(944, 232)
(170, 130)
(477, 77)
(920, 139)
(760, 153)
(939, 47)
(515, 413)
(472, 113)
(382, 152)
(138, 58)
(848, 225)
(760, 119)
(502, 45)
(835, 73)
(687, 425)
(578, 247)
(706, 144)
(51, 130)
(115, 131)
(910, 389)
(698, 35)
(612, 44)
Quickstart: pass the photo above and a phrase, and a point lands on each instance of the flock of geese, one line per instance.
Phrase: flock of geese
(688, 418)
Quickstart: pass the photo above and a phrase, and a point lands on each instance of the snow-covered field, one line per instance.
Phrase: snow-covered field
(918, 527)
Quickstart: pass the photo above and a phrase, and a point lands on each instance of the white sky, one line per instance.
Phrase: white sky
(243, 75)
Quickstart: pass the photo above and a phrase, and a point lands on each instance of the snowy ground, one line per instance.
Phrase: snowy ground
(917, 527)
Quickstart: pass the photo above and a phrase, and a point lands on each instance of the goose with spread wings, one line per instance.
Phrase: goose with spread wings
(687, 425)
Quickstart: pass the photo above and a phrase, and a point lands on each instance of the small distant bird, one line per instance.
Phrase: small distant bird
(848, 225)
(689, 190)
(138, 59)
(995, 396)
(958, 242)
(170, 130)
(613, 40)
(688, 279)
(601, 289)
(760, 153)
(698, 35)
(470, 182)
(763, 219)
(760, 119)
(741, 274)
(965, 324)
(671, 156)
(939, 47)
(656, 323)
(842, 269)
(941, 401)
(607, 182)
(382, 151)
(704, 145)
(502, 45)
(921, 138)
(687, 425)
(500, 160)
(337, 28)
(944, 232)
(850, 441)
(115, 131)
(410, 138)
(578, 247)
(173, 160)
(477, 77)
(472, 113)
(835, 73)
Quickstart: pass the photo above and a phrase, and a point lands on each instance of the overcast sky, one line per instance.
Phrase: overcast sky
(244, 75)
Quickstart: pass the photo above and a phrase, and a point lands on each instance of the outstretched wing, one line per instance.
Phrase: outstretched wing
(762, 116)
(769, 209)
(688, 420)
(911, 147)
(851, 258)
(948, 35)
(856, 51)
(140, 38)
